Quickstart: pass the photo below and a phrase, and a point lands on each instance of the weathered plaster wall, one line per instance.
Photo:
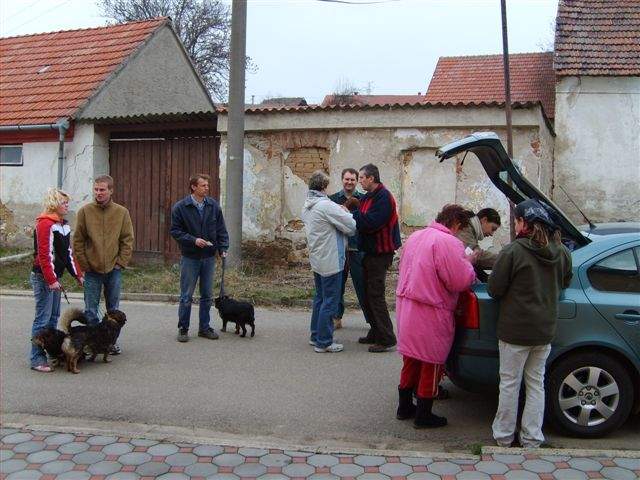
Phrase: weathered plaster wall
(158, 79)
(22, 188)
(274, 194)
(392, 117)
(597, 149)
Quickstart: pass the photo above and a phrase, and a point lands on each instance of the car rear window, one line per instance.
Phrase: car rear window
(616, 273)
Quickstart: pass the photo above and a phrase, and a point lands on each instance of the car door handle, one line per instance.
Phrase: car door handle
(630, 316)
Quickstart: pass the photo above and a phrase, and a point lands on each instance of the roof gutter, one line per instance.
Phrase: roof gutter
(61, 125)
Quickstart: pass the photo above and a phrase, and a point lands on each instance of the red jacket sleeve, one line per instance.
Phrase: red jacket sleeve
(44, 242)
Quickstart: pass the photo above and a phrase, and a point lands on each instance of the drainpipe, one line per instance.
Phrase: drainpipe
(61, 125)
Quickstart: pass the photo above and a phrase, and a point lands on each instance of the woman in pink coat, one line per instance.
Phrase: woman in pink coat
(433, 270)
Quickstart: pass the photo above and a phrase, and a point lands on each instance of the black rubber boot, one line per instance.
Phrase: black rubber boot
(424, 417)
(406, 408)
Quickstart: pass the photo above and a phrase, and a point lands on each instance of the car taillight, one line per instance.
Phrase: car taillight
(467, 313)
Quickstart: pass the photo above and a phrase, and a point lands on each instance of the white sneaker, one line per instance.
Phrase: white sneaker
(333, 348)
(312, 343)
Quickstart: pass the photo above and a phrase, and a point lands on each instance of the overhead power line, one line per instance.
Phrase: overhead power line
(347, 2)
(55, 7)
(28, 7)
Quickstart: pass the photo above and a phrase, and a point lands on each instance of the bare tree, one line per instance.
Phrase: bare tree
(204, 26)
(344, 93)
(547, 43)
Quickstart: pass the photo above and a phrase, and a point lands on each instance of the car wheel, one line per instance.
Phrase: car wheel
(588, 394)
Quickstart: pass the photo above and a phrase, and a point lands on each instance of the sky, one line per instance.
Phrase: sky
(308, 48)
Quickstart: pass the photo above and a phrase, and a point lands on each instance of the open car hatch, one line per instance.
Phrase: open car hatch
(500, 169)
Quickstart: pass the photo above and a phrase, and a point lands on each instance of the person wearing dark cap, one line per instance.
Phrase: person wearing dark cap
(527, 278)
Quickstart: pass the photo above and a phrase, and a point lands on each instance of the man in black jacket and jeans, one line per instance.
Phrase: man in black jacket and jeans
(379, 238)
(198, 226)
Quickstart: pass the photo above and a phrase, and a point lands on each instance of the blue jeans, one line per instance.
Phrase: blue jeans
(93, 283)
(325, 307)
(47, 313)
(192, 269)
(354, 262)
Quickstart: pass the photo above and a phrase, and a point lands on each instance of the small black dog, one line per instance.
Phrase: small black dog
(50, 339)
(238, 312)
(97, 338)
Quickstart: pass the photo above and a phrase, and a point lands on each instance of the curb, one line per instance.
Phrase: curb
(202, 436)
(569, 452)
(14, 258)
(140, 297)
(199, 436)
(173, 298)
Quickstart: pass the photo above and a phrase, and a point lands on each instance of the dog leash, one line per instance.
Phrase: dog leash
(224, 267)
(64, 292)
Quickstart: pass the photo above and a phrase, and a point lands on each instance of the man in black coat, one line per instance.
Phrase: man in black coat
(198, 226)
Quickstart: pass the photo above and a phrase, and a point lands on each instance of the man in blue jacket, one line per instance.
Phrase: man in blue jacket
(198, 226)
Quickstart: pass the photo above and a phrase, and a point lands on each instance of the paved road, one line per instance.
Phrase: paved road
(272, 386)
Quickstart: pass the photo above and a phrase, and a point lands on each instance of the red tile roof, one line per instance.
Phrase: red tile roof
(372, 100)
(476, 80)
(598, 37)
(48, 76)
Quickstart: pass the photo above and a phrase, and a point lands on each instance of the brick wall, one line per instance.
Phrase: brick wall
(306, 160)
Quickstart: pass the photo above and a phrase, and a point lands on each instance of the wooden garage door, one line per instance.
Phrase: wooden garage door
(150, 175)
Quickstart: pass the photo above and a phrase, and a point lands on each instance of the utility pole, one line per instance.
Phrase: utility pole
(235, 136)
(507, 102)
(507, 78)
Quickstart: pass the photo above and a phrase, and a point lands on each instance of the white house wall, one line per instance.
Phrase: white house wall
(22, 187)
(597, 148)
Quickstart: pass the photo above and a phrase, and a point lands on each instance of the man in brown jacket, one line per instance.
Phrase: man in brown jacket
(103, 244)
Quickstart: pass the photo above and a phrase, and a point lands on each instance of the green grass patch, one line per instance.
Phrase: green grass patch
(16, 275)
(260, 284)
(476, 449)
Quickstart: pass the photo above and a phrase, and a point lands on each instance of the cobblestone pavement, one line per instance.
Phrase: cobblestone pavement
(27, 454)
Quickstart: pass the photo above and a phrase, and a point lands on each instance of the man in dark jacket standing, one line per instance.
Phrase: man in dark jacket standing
(198, 226)
(378, 238)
